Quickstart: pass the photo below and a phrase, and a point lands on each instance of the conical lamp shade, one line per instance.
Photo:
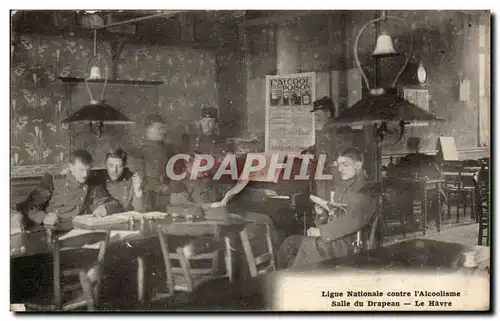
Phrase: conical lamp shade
(100, 112)
(95, 73)
(384, 46)
(385, 107)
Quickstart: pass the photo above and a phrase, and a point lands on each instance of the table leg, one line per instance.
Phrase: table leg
(305, 223)
(424, 204)
(439, 208)
(229, 258)
(459, 198)
(141, 275)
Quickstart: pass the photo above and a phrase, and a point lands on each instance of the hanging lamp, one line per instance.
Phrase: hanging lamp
(383, 105)
(97, 112)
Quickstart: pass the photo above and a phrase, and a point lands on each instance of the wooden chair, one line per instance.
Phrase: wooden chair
(264, 262)
(68, 293)
(453, 188)
(483, 207)
(186, 277)
(468, 195)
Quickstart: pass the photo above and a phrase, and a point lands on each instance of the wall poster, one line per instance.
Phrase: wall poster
(289, 123)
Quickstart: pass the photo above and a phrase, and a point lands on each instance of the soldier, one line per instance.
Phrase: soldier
(325, 114)
(155, 154)
(73, 195)
(335, 236)
(205, 139)
(122, 184)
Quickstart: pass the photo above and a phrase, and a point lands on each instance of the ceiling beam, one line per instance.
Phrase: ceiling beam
(153, 16)
(282, 18)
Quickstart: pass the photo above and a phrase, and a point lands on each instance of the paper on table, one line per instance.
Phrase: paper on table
(91, 220)
(115, 235)
(280, 197)
(136, 215)
(270, 192)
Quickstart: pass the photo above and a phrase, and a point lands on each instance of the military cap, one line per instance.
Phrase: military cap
(323, 103)
(209, 112)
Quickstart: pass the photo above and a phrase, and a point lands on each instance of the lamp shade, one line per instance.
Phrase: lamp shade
(100, 112)
(385, 106)
(384, 46)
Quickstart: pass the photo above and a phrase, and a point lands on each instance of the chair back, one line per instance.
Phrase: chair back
(198, 259)
(483, 205)
(265, 261)
(89, 277)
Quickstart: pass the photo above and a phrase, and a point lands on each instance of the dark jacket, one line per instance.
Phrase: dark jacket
(204, 144)
(155, 155)
(204, 189)
(340, 231)
(122, 190)
(67, 198)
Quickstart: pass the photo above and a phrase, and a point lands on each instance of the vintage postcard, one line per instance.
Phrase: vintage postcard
(250, 160)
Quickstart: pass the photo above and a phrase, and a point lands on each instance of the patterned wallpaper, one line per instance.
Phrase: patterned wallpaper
(39, 101)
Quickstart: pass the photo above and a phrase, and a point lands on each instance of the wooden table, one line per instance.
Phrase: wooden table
(407, 257)
(33, 248)
(36, 241)
(422, 186)
(461, 175)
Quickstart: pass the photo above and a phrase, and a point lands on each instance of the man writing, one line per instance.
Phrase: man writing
(73, 195)
(122, 184)
(335, 235)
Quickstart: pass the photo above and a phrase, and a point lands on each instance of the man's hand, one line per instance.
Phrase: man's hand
(319, 210)
(313, 231)
(100, 211)
(137, 184)
(51, 219)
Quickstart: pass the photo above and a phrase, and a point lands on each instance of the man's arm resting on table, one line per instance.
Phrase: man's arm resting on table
(359, 213)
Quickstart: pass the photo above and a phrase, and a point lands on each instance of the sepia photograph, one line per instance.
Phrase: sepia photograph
(250, 160)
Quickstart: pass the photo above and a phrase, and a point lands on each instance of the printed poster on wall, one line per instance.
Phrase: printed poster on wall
(289, 121)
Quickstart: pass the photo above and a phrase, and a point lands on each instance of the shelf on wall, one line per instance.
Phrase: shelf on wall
(114, 81)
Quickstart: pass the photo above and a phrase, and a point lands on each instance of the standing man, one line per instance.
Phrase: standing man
(122, 184)
(335, 236)
(155, 154)
(206, 140)
(73, 195)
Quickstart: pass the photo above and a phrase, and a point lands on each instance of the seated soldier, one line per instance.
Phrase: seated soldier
(336, 235)
(122, 184)
(72, 195)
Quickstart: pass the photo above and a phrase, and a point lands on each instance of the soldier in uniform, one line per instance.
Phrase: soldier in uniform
(325, 114)
(155, 154)
(205, 139)
(122, 184)
(73, 195)
(335, 233)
